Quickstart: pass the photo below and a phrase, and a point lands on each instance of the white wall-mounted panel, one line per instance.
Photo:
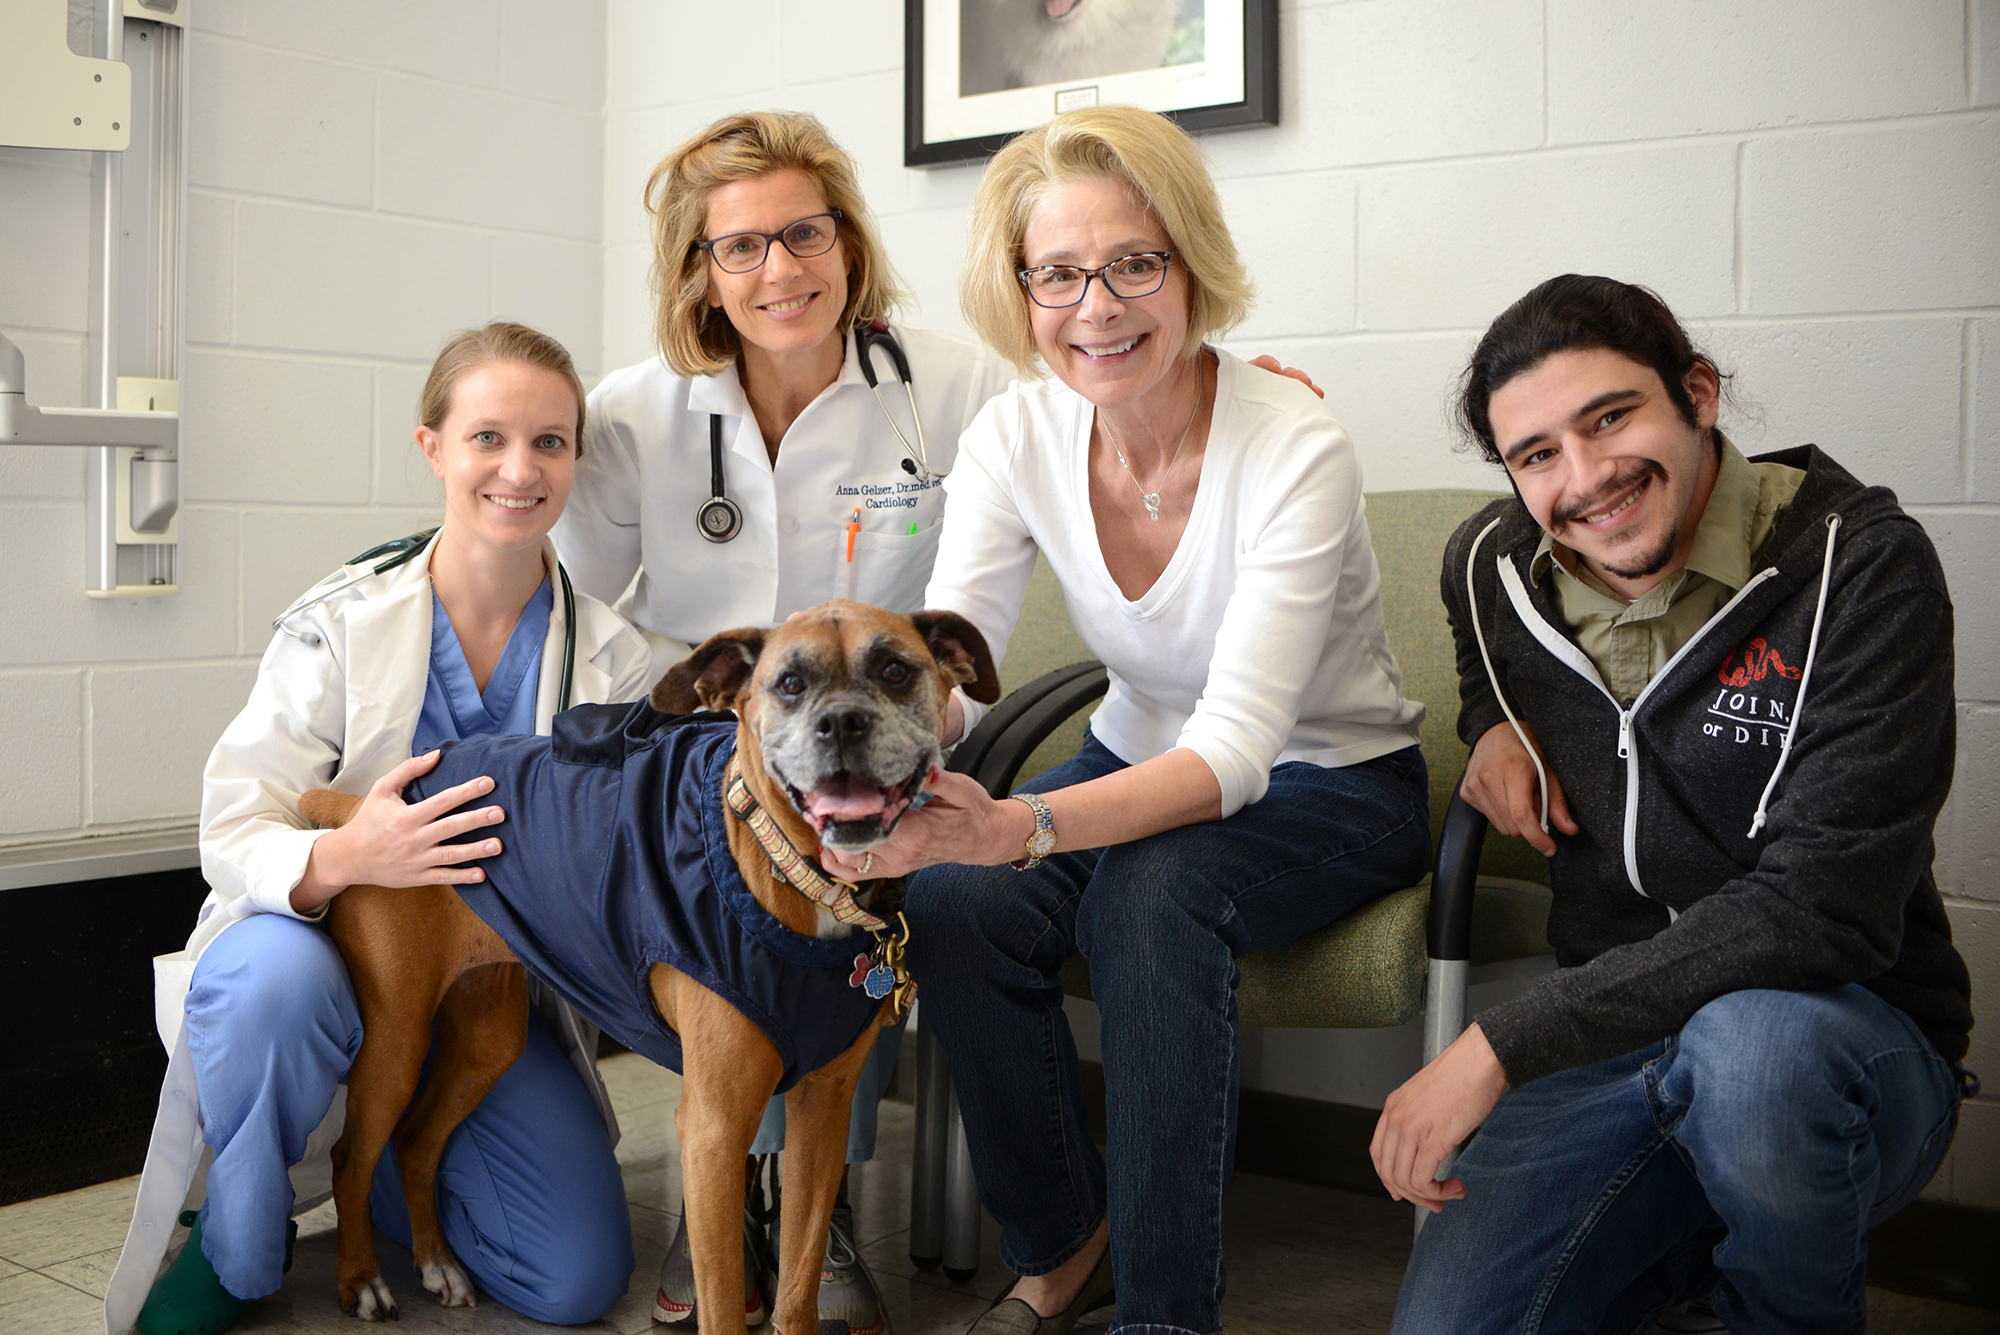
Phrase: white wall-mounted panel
(44, 246)
(50, 97)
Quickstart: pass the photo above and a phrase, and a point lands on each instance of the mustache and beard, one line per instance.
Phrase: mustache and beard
(1640, 564)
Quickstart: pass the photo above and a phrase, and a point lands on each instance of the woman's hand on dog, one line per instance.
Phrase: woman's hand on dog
(960, 823)
(393, 843)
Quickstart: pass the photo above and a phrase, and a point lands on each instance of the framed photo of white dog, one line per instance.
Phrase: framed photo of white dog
(978, 72)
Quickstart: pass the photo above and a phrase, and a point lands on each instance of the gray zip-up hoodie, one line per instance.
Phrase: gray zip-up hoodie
(1761, 815)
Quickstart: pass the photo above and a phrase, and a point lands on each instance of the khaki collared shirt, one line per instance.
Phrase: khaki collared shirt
(1629, 642)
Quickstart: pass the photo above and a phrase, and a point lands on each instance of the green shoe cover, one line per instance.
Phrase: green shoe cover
(189, 1299)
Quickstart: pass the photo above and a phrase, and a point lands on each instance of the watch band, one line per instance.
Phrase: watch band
(1042, 841)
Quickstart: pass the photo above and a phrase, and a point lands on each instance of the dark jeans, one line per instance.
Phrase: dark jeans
(1162, 921)
(1749, 1154)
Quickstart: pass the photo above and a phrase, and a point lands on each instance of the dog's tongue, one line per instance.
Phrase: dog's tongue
(1058, 8)
(845, 797)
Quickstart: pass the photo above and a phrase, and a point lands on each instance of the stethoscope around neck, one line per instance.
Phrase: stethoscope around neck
(401, 551)
(719, 519)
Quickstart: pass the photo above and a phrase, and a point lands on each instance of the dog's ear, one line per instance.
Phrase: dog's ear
(961, 651)
(712, 676)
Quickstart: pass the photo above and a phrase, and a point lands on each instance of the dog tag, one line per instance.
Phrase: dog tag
(881, 981)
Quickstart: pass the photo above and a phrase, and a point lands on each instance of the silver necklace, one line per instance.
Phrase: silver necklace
(1152, 498)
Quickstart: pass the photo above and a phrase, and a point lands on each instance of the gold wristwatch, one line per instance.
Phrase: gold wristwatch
(1042, 842)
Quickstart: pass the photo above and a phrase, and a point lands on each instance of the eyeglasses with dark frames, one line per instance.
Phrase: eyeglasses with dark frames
(741, 252)
(1127, 277)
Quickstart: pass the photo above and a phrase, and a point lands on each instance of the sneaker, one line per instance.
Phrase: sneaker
(847, 1290)
(1694, 1317)
(674, 1303)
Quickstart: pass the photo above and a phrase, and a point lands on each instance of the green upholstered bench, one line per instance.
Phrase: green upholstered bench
(1405, 955)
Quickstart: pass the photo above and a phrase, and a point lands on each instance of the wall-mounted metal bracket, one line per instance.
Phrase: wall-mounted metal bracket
(132, 82)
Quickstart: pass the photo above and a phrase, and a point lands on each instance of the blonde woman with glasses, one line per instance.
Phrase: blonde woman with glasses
(1253, 773)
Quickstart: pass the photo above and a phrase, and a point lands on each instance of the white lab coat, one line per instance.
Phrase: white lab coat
(645, 472)
(335, 705)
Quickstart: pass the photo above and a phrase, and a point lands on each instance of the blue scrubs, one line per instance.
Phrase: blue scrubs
(529, 1192)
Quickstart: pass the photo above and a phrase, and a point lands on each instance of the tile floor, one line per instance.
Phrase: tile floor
(1301, 1259)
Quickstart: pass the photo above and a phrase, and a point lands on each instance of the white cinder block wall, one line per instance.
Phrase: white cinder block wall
(362, 181)
(1814, 183)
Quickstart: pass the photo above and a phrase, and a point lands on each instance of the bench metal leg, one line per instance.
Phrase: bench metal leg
(927, 1167)
(1444, 1021)
(961, 1203)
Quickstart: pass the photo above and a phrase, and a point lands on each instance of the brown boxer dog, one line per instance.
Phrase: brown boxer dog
(840, 712)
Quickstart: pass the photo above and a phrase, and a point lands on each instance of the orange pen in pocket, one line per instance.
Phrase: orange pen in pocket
(853, 527)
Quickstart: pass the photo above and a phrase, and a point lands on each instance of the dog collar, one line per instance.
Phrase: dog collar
(831, 893)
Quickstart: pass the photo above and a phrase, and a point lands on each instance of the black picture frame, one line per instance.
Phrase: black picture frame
(940, 146)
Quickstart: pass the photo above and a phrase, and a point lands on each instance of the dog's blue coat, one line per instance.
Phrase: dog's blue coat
(616, 859)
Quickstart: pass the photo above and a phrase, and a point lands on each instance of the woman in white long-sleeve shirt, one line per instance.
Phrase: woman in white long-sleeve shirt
(1253, 772)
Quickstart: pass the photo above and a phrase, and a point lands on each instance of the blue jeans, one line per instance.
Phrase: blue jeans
(529, 1193)
(1162, 921)
(1749, 1154)
(862, 1119)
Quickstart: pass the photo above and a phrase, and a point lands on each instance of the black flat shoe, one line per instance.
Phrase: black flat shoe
(1015, 1316)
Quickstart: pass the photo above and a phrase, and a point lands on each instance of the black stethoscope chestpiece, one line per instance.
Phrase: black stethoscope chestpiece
(719, 518)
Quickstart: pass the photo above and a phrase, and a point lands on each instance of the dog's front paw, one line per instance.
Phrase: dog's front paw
(374, 1302)
(450, 1283)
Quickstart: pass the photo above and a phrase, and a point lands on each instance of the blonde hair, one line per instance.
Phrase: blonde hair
(695, 337)
(500, 341)
(1149, 155)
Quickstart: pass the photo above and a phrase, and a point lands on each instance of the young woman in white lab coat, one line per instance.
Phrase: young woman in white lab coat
(467, 630)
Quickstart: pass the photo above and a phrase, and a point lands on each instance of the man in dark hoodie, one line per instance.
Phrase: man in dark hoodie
(1717, 693)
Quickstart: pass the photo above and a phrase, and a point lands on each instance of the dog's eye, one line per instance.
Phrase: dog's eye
(790, 684)
(896, 673)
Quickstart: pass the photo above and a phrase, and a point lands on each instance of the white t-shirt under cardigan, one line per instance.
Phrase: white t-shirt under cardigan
(1261, 642)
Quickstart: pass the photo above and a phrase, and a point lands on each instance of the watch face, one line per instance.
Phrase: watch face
(1042, 843)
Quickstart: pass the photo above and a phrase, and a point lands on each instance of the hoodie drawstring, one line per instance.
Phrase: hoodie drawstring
(1472, 610)
(1805, 677)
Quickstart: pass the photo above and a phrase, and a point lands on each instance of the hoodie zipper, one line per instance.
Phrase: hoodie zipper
(1560, 647)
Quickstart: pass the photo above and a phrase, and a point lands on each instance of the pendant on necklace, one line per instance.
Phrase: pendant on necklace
(1152, 500)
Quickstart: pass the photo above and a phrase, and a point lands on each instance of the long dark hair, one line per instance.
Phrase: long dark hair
(1576, 311)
